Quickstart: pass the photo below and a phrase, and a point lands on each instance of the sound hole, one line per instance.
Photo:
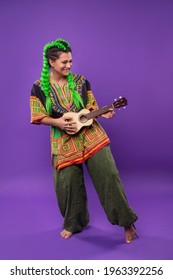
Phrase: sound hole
(83, 118)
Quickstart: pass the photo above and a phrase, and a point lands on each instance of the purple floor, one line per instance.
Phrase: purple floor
(30, 222)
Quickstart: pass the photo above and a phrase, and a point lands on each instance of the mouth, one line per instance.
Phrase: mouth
(66, 71)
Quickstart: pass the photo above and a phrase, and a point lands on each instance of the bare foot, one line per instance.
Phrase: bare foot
(130, 233)
(66, 234)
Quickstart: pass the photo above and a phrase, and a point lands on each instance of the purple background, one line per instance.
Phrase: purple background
(124, 48)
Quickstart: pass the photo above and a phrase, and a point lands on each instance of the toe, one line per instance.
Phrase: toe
(66, 234)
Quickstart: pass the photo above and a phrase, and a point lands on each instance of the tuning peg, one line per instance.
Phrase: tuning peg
(124, 107)
(115, 99)
(120, 97)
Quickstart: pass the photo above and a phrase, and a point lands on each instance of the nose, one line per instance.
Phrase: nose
(69, 64)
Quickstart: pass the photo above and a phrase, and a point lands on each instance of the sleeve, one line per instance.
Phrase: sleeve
(37, 105)
(91, 103)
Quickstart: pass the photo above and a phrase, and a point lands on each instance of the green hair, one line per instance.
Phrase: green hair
(50, 52)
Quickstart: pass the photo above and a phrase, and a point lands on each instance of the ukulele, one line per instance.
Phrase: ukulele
(85, 117)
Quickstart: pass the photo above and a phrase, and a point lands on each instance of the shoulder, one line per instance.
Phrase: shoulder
(78, 78)
(37, 83)
(81, 80)
(37, 86)
(37, 91)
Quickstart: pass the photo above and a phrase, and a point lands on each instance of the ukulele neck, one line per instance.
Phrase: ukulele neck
(99, 112)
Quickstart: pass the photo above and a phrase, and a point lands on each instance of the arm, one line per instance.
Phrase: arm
(63, 123)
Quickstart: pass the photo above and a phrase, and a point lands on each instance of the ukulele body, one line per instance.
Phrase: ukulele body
(80, 118)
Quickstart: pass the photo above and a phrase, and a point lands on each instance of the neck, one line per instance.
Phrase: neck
(57, 78)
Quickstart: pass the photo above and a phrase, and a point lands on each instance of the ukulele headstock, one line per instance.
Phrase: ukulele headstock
(121, 102)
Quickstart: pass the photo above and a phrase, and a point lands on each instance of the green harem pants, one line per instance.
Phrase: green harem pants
(71, 192)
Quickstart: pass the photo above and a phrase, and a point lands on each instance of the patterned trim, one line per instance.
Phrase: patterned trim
(57, 106)
(57, 98)
(81, 159)
(91, 102)
(77, 148)
(37, 110)
(79, 80)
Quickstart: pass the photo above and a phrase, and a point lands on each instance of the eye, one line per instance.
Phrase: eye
(65, 62)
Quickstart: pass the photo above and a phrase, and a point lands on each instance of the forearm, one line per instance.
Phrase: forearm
(63, 123)
(50, 121)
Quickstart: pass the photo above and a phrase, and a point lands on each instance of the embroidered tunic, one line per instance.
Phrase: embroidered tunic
(68, 149)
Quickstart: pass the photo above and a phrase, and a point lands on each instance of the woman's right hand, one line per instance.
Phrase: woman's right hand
(66, 124)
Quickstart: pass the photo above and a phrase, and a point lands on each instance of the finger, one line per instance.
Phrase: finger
(71, 130)
(73, 126)
(71, 122)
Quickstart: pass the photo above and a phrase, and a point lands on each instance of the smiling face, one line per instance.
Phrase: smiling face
(62, 64)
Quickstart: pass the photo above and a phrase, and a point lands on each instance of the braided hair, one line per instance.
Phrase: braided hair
(52, 51)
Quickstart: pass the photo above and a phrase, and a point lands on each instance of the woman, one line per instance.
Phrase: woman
(56, 93)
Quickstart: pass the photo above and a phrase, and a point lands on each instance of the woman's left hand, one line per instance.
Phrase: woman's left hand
(109, 114)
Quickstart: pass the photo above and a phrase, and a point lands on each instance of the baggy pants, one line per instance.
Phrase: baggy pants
(71, 192)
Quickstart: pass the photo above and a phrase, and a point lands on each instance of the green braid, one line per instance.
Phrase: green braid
(61, 45)
(75, 95)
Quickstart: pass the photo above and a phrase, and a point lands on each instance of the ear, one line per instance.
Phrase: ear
(51, 62)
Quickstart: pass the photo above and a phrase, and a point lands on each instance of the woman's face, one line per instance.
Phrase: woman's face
(63, 64)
